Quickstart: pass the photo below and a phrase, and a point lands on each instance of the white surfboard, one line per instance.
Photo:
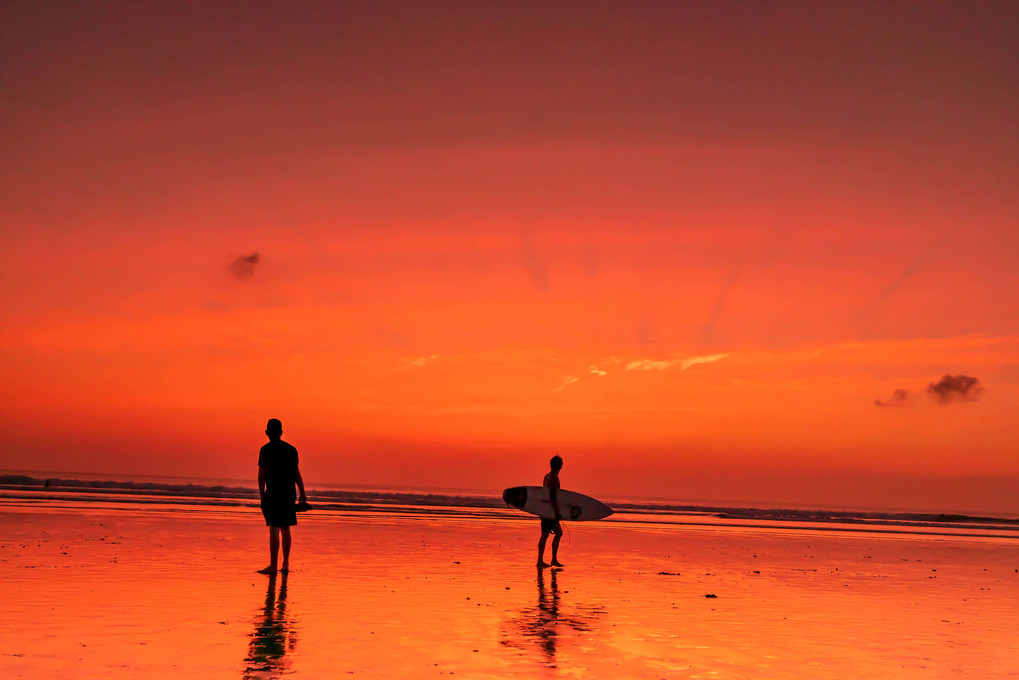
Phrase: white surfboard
(573, 506)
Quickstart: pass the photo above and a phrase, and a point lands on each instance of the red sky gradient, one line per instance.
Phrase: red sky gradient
(491, 231)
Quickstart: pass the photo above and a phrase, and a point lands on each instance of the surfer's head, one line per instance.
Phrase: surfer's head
(556, 463)
(274, 428)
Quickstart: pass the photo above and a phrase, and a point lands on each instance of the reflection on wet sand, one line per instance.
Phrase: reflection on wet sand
(547, 623)
(273, 637)
(390, 597)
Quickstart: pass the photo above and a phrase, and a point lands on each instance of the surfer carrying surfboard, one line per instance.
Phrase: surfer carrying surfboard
(551, 526)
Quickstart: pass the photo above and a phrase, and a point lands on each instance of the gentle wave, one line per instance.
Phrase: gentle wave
(26, 487)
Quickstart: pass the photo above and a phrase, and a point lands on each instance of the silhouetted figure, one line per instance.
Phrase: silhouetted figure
(278, 473)
(551, 526)
(272, 638)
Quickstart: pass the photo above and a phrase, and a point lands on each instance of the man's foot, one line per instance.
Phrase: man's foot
(542, 565)
(285, 569)
(557, 563)
(270, 570)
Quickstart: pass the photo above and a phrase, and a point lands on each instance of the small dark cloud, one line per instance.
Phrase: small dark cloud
(955, 388)
(244, 266)
(899, 398)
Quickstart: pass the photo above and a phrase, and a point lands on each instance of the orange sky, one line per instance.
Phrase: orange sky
(686, 244)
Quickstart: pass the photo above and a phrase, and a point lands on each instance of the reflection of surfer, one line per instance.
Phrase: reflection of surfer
(552, 526)
(548, 612)
(551, 623)
(272, 638)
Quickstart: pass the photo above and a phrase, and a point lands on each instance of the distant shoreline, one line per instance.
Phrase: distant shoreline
(29, 488)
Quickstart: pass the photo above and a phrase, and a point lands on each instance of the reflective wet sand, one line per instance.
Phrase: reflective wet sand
(95, 592)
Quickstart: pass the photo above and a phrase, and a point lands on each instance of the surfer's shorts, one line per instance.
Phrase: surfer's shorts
(551, 526)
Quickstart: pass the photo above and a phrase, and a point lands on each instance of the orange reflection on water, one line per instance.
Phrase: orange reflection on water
(149, 593)
(549, 623)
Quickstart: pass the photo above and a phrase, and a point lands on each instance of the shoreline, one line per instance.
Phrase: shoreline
(27, 497)
(345, 498)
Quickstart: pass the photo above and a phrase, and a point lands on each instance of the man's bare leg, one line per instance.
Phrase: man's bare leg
(286, 548)
(541, 548)
(555, 550)
(274, 550)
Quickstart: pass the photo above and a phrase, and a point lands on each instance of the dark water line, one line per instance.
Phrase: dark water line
(27, 488)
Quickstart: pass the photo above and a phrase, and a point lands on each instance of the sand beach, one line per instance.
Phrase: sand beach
(99, 590)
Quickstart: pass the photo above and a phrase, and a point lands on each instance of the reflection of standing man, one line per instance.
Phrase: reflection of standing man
(272, 638)
(278, 472)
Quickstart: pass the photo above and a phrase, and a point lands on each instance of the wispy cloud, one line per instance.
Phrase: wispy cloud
(692, 361)
(422, 361)
(649, 365)
(709, 331)
(244, 266)
(568, 380)
(663, 364)
(903, 278)
(390, 335)
(758, 259)
(900, 397)
(535, 264)
(597, 371)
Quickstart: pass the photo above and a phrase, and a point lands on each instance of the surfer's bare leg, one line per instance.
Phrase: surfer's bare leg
(541, 549)
(286, 548)
(274, 550)
(555, 549)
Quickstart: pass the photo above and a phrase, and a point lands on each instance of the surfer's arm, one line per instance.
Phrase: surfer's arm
(553, 498)
(300, 483)
(261, 483)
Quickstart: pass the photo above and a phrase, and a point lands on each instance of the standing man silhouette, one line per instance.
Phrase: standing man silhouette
(551, 526)
(278, 472)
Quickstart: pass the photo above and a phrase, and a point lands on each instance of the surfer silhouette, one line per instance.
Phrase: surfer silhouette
(551, 526)
(278, 473)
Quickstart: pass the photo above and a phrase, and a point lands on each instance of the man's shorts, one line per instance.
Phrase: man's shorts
(279, 511)
(551, 526)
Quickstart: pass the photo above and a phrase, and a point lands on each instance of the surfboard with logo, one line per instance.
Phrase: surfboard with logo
(573, 506)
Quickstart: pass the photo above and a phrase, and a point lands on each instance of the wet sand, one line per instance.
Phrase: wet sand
(100, 591)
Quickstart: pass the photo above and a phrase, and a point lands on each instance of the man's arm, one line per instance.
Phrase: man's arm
(300, 483)
(261, 483)
(553, 497)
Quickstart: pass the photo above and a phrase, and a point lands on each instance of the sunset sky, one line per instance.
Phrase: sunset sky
(705, 250)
